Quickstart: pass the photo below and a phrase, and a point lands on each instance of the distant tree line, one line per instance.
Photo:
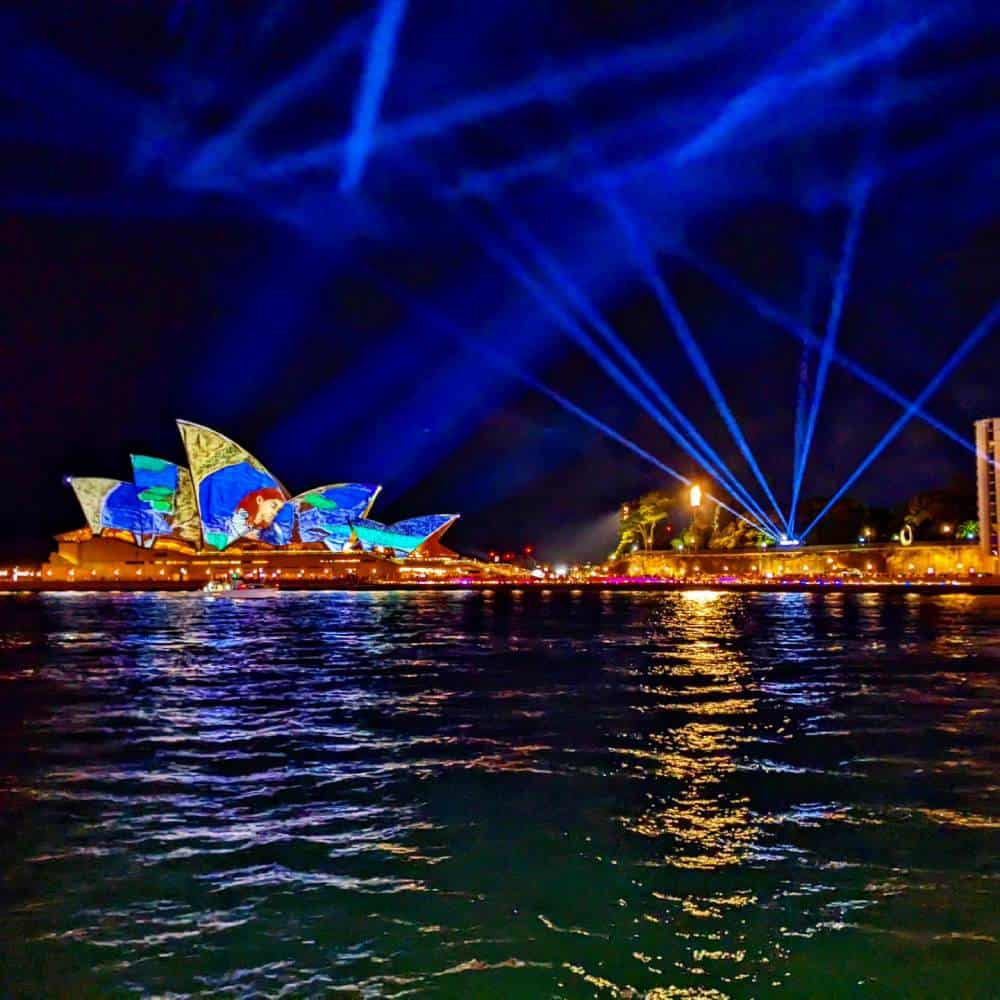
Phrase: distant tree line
(663, 519)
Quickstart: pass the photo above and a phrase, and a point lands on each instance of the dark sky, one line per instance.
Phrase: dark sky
(339, 238)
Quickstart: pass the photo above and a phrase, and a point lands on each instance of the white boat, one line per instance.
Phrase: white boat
(248, 592)
(240, 591)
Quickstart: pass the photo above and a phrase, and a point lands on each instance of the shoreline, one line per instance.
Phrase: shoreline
(508, 586)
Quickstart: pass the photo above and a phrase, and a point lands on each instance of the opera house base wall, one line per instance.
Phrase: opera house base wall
(83, 561)
(882, 561)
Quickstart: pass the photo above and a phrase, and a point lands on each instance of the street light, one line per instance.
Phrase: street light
(695, 495)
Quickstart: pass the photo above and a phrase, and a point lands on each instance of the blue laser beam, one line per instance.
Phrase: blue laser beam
(585, 341)
(826, 351)
(885, 46)
(837, 111)
(634, 61)
(568, 157)
(696, 446)
(694, 353)
(979, 332)
(373, 84)
(801, 403)
(802, 389)
(770, 312)
(218, 151)
(759, 95)
(958, 143)
(581, 337)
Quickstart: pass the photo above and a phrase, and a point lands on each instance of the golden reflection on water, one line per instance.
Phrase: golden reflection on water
(696, 821)
(612, 989)
(952, 817)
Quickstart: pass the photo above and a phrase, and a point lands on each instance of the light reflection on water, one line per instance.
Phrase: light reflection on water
(706, 699)
(628, 795)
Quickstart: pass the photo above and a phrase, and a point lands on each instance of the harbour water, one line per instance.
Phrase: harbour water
(661, 795)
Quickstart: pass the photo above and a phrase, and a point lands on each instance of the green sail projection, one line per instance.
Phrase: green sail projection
(167, 488)
(403, 537)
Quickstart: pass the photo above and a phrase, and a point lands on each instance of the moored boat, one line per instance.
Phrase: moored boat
(237, 589)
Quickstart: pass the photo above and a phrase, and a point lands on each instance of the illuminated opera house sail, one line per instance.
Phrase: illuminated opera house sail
(226, 497)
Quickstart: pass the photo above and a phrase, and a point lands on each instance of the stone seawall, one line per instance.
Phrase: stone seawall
(870, 560)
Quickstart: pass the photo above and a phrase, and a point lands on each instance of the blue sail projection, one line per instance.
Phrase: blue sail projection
(402, 537)
(113, 504)
(326, 513)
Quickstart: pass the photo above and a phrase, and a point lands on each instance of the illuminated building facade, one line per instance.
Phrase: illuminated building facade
(987, 483)
(226, 501)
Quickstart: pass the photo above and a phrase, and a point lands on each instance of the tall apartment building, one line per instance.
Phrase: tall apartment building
(988, 483)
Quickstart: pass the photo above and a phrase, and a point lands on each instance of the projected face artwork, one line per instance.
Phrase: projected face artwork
(256, 512)
(238, 501)
(237, 496)
(281, 528)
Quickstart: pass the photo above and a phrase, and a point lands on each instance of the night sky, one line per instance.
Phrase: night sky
(344, 235)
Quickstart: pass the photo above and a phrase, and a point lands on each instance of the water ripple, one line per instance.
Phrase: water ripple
(378, 795)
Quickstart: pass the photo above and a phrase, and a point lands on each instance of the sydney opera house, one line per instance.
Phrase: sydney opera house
(225, 513)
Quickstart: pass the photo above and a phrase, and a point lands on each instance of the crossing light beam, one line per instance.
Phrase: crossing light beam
(980, 331)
